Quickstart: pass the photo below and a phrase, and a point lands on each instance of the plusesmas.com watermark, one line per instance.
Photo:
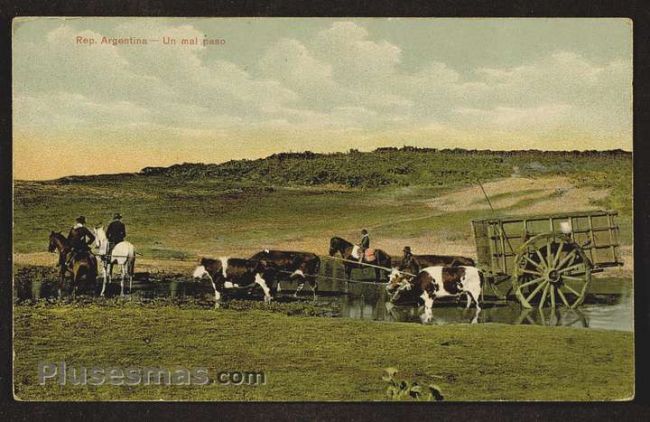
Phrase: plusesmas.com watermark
(62, 374)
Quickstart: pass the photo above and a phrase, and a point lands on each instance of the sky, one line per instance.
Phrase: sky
(270, 85)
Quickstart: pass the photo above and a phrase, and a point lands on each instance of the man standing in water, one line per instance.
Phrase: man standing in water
(407, 258)
(364, 244)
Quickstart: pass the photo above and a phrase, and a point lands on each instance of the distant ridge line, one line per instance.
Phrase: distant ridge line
(382, 166)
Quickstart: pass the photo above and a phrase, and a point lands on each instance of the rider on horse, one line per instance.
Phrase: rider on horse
(115, 232)
(80, 239)
(364, 244)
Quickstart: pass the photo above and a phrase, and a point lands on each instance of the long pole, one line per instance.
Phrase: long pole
(486, 195)
(365, 264)
(500, 225)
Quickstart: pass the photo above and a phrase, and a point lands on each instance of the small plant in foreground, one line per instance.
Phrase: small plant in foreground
(404, 390)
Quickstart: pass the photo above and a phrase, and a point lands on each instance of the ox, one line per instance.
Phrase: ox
(437, 282)
(415, 263)
(301, 266)
(236, 273)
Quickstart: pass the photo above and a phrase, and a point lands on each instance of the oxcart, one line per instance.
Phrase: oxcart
(546, 259)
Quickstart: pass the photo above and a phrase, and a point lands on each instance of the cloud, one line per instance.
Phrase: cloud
(336, 79)
(355, 57)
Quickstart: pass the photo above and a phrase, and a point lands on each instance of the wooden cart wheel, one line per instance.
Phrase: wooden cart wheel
(551, 268)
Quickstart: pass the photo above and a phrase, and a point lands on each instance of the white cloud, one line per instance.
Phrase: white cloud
(341, 78)
(356, 59)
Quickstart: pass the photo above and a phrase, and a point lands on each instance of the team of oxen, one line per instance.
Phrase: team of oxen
(265, 269)
(423, 278)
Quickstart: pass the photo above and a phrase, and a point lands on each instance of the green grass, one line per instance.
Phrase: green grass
(176, 212)
(211, 220)
(508, 195)
(316, 358)
(210, 217)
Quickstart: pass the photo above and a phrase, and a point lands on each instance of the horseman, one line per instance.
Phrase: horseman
(364, 244)
(80, 239)
(407, 258)
(115, 232)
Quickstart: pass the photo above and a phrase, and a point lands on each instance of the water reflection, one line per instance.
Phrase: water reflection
(370, 301)
(367, 300)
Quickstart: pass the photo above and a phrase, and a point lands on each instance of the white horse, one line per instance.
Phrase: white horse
(123, 254)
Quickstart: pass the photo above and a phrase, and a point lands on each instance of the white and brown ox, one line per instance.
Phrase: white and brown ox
(299, 266)
(437, 282)
(236, 273)
(414, 263)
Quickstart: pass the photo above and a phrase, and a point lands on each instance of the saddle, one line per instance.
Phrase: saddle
(368, 255)
(73, 256)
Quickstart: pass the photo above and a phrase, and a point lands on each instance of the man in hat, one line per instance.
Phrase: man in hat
(407, 258)
(115, 232)
(364, 244)
(80, 238)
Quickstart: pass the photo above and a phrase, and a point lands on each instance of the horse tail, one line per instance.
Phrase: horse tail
(82, 270)
(131, 267)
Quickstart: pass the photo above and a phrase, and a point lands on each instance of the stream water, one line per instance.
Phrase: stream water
(612, 310)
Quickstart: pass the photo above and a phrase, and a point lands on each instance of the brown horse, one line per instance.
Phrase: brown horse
(344, 248)
(82, 266)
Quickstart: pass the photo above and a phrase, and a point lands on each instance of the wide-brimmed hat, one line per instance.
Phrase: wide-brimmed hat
(81, 219)
(407, 249)
(117, 215)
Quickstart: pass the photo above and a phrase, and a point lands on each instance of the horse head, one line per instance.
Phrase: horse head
(101, 241)
(52, 246)
(338, 245)
(100, 236)
(57, 241)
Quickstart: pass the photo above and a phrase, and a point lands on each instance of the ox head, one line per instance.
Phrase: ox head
(398, 282)
(199, 272)
(202, 269)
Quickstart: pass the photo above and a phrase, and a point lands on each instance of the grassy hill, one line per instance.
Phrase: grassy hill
(387, 167)
(419, 197)
(298, 200)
